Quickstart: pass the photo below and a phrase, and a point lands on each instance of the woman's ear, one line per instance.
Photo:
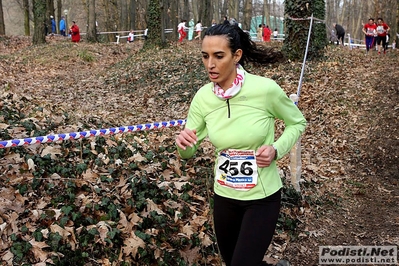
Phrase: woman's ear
(237, 55)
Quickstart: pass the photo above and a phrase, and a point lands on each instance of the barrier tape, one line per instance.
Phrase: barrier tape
(90, 133)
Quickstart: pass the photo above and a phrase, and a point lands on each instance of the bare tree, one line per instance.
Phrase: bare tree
(185, 10)
(91, 21)
(39, 16)
(156, 34)
(59, 14)
(205, 12)
(397, 21)
(111, 17)
(174, 20)
(233, 9)
(296, 40)
(26, 17)
(2, 24)
(216, 10)
(132, 14)
(225, 10)
(247, 14)
(266, 12)
(50, 12)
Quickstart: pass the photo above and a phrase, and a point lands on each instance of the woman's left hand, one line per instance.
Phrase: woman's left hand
(265, 156)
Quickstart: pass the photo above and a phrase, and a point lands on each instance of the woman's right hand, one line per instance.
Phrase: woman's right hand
(186, 137)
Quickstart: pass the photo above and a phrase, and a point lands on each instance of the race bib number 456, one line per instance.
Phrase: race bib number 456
(237, 169)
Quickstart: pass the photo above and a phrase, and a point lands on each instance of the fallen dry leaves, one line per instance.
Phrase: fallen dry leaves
(102, 197)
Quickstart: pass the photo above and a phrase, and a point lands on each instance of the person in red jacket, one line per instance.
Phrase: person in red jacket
(370, 30)
(266, 34)
(382, 31)
(74, 31)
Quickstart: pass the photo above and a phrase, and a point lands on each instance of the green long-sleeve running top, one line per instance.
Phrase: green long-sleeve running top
(245, 122)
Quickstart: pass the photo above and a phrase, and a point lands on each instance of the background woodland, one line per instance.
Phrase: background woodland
(123, 15)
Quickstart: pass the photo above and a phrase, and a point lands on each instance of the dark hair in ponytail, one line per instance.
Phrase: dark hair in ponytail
(238, 39)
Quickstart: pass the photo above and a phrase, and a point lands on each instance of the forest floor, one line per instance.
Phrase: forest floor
(350, 150)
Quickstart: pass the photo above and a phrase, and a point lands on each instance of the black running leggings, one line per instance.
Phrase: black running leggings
(244, 229)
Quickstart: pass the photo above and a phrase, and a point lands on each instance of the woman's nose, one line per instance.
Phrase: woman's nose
(211, 64)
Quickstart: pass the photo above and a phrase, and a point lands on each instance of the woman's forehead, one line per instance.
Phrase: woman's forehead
(216, 41)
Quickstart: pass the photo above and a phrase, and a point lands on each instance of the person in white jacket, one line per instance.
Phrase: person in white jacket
(198, 30)
(130, 38)
(181, 28)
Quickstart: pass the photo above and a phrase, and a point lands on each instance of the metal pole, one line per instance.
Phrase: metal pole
(295, 153)
(304, 58)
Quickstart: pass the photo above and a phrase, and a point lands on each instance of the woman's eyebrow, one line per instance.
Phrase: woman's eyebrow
(216, 53)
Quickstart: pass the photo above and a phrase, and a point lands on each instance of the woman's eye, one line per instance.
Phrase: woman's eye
(205, 56)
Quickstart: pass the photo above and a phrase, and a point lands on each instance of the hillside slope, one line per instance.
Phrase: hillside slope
(130, 198)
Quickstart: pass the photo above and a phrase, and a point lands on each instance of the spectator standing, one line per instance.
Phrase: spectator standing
(75, 33)
(369, 30)
(181, 28)
(382, 31)
(130, 37)
(266, 34)
(234, 22)
(53, 25)
(259, 32)
(62, 26)
(191, 29)
(225, 20)
(237, 111)
(198, 30)
(340, 33)
(275, 33)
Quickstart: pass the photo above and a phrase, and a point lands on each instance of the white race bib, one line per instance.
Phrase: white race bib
(237, 169)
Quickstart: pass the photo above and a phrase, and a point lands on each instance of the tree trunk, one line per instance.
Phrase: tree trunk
(50, 12)
(2, 24)
(186, 11)
(174, 19)
(111, 14)
(155, 32)
(397, 22)
(225, 11)
(233, 9)
(266, 11)
(194, 9)
(91, 21)
(358, 24)
(201, 10)
(274, 16)
(343, 12)
(207, 18)
(377, 9)
(25, 6)
(247, 14)
(59, 14)
(39, 17)
(132, 14)
(124, 21)
(216, 11)
(205, 12)
(297, 30)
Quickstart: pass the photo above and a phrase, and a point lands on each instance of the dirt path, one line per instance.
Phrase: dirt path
(361, 208)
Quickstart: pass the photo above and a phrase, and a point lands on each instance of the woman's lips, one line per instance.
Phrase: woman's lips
(213, 75)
